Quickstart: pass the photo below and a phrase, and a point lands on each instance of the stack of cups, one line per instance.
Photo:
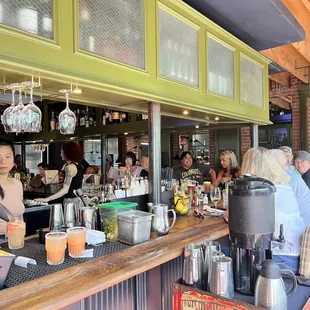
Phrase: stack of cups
(304, 266)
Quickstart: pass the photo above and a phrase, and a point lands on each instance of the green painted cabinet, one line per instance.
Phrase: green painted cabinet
(148, 49)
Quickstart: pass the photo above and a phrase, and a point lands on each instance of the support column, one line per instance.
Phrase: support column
(23, 154)
(103, 140)
(154, 152)
(254, 135)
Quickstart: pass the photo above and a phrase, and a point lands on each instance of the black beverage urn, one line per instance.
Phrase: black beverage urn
(251, 228)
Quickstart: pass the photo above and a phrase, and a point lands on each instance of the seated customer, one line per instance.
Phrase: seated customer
(300, 189)
(190, 171)
(38, 182)
(302, 164)
(231, 169)
(259, 161)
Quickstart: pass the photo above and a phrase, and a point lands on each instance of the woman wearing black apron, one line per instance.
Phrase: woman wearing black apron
(73, 172)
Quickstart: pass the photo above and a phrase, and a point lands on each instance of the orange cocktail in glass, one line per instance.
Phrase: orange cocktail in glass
(16, 234)
(76, 241)
(55, 245)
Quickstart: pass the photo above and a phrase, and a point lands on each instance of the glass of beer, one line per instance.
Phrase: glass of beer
(76, 241)
(16, 234)
(55, 245)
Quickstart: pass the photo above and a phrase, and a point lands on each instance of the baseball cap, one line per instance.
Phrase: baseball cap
(286, 149)
(302, 155)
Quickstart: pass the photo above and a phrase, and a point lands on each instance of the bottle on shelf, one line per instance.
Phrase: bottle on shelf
(82, 118)
(115, 117)
(87, 117)
(77, 118)
(57, 122)
(91, 118)
(139, 117)
(53, 122)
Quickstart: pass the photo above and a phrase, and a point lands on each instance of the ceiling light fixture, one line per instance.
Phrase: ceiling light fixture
(282, 112)
(77, 90)
(217, 118)
(185, 112)
(197, 126)
(125, 133)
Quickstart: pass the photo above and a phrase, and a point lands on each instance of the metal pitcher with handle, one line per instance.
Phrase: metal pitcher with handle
(160, 222)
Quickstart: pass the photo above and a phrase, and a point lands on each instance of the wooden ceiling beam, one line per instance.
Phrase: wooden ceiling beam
(289, 59)
(299, 9)
(303, 48)
(306, 4)
(280, 103)
(282, 78)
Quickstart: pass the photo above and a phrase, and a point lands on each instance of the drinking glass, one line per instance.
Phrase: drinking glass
(17, 112)
(7, 119)
(67, 119)
(215, 196)
(55, 245)
(16, 234)
(32, 115)
(76, 241)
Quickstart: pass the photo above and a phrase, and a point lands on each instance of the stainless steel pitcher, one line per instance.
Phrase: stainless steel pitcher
(220, 276)
(210, 249)
(88, 217)
(192, 266)
(71, 215)
(160, 222)
(56, 217)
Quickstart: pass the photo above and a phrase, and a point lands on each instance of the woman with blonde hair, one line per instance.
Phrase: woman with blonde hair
(231, 169)
(260, 162)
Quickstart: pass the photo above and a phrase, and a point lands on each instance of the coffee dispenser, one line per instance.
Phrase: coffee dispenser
(251, 228)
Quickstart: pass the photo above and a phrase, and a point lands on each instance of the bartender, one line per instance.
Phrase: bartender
(72, 170)
(11, 190)
(190, 171)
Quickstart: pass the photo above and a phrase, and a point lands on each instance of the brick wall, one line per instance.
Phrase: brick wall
(245, 137)
(292, 91)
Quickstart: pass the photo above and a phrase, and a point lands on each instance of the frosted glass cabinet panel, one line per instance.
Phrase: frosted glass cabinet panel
(178, 49)
(220, 69)
(113, 29)
(251, 82)
(33, 16)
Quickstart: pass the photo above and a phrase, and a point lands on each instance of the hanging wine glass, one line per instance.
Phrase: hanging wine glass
(32, 115)
(17, 112)
(7, 117)
(67, 119)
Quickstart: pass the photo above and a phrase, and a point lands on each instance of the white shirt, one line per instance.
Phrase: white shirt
(287, 213)
(112, 174)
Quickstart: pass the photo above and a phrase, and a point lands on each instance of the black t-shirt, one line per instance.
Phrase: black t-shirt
(306, 178)
(195, 172)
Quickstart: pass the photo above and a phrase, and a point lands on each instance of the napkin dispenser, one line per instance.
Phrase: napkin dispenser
(6, 260)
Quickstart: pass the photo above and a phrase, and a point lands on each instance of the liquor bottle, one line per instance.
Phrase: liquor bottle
(57, 122)
(53, 122)
(91, 118)
(77, 118)
(108, 116)
(115, 117)
(87, 117)
(82, 119)
(139, 117)
(104, 119)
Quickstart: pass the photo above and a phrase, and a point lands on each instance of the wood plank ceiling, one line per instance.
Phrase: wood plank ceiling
(295, 57)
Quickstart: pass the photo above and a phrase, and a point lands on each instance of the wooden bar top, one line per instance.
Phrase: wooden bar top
(65, 287)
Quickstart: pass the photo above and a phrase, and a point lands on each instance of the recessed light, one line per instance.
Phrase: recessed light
(77, 91)
(51, 140)
(71, 138)
(197, 126)
(185, 112)
(217, 118)
(207, 117)
(125, 133)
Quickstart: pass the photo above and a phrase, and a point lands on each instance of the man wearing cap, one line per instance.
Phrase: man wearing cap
(302, 164)
(195, 172)
(111, 172)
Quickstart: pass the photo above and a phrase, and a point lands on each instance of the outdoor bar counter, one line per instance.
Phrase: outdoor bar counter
(138, 277)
